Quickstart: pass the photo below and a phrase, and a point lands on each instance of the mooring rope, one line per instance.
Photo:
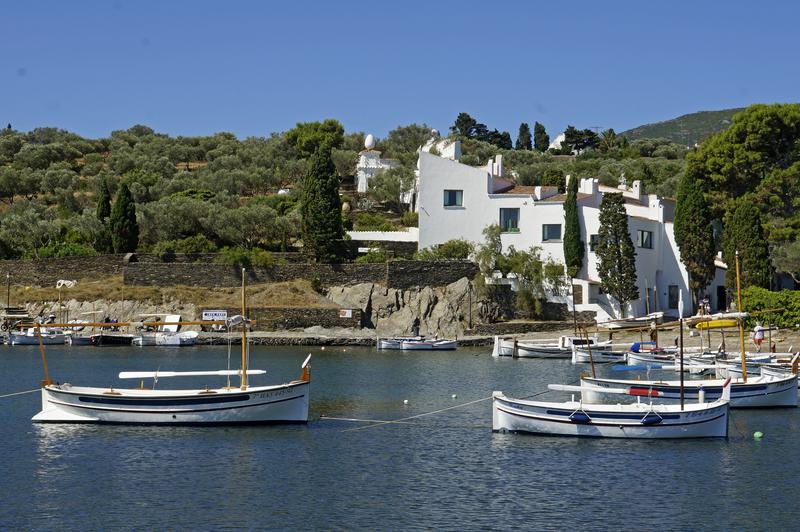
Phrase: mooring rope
(378, 424)
(404, 420)
(19, 393)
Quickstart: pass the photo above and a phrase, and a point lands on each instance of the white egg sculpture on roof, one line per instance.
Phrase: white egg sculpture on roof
(369, 142)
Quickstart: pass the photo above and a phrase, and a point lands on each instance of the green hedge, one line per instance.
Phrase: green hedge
(755, 299)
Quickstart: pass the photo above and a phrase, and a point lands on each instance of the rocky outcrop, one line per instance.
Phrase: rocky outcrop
(440, 310)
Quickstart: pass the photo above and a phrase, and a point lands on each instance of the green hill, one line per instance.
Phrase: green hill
(686, 129)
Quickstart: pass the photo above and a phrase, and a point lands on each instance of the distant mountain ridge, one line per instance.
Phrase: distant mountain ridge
(686, 129)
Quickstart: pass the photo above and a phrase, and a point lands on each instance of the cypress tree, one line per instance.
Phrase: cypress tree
(524, 141)
(743, 232)
(694, 234)
(617, 258)
(104, 202)
(541, 140)
(321, 207)
(122, 222)
(573, 246)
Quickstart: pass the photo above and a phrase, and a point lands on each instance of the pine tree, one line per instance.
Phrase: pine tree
(122, 222)
(617, 258)
(524, 141)
(321, 207)
(573, 246)
(695, 235)
(743, 232)
(104, 202)
(541, 140)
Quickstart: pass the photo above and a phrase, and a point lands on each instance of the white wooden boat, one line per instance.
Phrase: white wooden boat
(562, 349)
(31, 337)
(397, 341)
(581, 355)
(280, 403)
(692, 321)
(64, 403)
(632, 323)
(428, 345)
(649, 358)
(79, 339)
(631, 420)
(756, 392)
(166, 339)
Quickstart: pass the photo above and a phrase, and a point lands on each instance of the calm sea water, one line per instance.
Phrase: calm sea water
(443, 472)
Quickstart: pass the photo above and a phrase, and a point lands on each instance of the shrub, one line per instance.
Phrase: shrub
(61, 249)
(373, 222)
(755, 298)
(457, 249)
(375, 255)
(192, 244)
(244, 258)
(410, 219)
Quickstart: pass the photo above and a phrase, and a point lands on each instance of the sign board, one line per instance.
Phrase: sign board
(215, 315)
(345, 313)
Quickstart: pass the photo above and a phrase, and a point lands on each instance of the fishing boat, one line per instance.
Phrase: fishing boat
(396, 342)
(31, 337)
(716, 324)
(715, 319)
(280, 403)
(633, 323)
(105, 339)
(417, 343)
(78, 339)
(629, 420)
(582, 355)
(562, 349)
(169, 334)
(427, 345)
(757, 392)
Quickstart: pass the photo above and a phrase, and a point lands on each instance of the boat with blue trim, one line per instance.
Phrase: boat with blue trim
(756, 392)
(630, 420)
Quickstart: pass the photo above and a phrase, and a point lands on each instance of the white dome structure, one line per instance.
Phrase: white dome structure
(369, 142)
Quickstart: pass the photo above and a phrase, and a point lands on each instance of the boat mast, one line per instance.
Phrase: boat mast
(741, 319)
(46, 381)
(244, 336)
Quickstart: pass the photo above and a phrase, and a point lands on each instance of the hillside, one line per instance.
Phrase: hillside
(687, 129)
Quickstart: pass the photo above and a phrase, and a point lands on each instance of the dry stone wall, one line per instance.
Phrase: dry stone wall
(46, 272)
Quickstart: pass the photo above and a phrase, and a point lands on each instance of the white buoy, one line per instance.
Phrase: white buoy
(405, 401)
(323, 348)
(701, 395)
(454, 396)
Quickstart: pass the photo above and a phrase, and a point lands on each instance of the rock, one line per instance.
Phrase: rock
(440, 310)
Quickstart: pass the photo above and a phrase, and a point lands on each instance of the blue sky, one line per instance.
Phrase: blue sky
(251, 68)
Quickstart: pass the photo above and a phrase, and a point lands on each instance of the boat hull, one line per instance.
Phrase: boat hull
(287, 403)
(104, 340)
(580, 356)
(79, 340)
(758, 392)
(428, 345)
(637, 420)
(47, 339)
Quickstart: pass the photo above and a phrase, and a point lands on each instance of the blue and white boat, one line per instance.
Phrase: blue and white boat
(630, 420)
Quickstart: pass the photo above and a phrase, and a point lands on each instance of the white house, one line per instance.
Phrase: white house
(370, 164)
(459, 201)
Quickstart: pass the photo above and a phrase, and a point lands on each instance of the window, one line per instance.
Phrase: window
(644, 239)
(594, 240)
(551, 232)
(673, 295)
(453, 198)
(509, 220)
